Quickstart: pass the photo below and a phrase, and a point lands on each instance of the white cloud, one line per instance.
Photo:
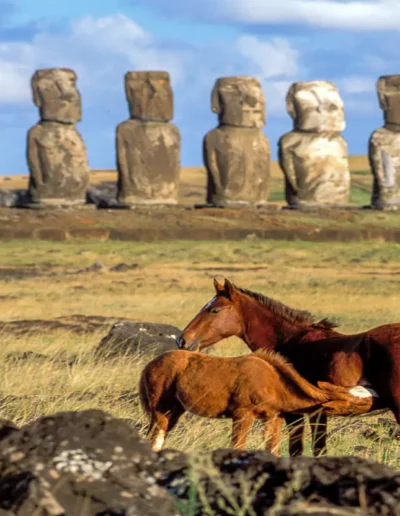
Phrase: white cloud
(101, 50)
(276, 58)
(357, 84)
(14, 82)
(96, 48)
(336, 14)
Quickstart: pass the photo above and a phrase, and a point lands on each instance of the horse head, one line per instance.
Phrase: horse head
(219, 319)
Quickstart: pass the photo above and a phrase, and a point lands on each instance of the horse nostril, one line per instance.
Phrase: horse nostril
(180, 342)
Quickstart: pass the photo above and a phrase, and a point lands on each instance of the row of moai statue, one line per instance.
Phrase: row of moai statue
(313, 156)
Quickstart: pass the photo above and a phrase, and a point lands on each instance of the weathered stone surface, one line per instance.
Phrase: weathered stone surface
(237, 153)
(56, 95)
(58, 164)
(80, 463)
(149, 96)
(239, 102)
(384, 147)
(138, 338)
(103, 195)
(7, 428)
(237, 160)
(314, 156)
(148, 161)
(329, 485)
(316, 168)
(91, 463)
(56, 153)
(316, 106)
(13, 198)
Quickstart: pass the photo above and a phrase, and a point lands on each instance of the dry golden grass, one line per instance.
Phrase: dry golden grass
(357, 284)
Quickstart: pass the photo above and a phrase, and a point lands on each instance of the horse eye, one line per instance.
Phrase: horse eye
(215, 310)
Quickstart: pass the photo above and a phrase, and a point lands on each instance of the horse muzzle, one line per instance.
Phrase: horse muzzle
(182, 344)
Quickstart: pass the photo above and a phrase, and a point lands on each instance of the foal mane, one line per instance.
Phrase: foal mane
(301, 317)
(272, 357)
(293, 379)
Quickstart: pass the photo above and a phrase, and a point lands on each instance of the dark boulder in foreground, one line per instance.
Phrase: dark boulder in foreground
(89, 463)
(137, 338)
(77, 463)
(229, 479)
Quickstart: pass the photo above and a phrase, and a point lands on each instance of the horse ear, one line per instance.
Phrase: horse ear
(218, 287)
(229, 288)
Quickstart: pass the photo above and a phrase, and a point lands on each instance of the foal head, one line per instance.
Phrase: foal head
(218, 319)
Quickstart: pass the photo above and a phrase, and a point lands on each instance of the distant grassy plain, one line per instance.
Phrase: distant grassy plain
(355, 283)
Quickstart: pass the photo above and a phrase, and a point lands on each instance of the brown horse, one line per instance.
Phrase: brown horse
(317, 351)
(261, 385)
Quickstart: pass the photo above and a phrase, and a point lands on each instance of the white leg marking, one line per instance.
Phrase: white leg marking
(159, 440)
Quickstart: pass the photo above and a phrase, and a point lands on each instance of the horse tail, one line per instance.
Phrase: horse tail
(289, 373)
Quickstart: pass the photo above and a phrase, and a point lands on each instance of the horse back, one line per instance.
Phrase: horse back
(338, 359)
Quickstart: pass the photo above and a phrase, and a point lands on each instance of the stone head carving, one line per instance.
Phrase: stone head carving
(149, 96)
(56, 95)
(316, 106)
(389, 97)
(239, 101)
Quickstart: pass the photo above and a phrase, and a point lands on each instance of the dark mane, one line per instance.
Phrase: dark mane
(301, 317)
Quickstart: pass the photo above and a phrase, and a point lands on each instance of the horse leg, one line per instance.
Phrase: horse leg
(241, 425)
(295, 424)
(272, 434)
(158, 429)
(319, 423)
(162, 423)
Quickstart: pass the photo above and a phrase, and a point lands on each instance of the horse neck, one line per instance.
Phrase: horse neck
(263, 328)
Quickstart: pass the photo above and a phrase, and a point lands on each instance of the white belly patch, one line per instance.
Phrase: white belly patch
(362, 391)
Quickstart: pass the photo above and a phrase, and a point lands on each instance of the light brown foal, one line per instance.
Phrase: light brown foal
(261, 385)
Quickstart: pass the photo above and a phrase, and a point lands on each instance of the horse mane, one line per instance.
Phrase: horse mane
(301, 317)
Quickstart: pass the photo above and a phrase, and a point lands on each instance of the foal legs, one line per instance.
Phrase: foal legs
(272, 434)
(295, 424)
(162, 423)
(241, 425)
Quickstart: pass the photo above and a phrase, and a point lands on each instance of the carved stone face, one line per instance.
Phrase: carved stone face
(149, 96)
(239, 101)
(316, 106)
(56, 95)
(389, 97)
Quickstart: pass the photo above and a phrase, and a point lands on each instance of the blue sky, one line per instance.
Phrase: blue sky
(350, 42)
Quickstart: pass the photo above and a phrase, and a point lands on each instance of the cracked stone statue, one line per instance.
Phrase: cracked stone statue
(237, 154)
(56, 153)
(384, 147)
(148, 144)
(314, 156)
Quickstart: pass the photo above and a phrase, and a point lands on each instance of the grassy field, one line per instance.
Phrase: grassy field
(356, 284)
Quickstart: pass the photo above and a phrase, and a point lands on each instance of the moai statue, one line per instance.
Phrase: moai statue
(314, 156)
(237, 153)
(56, 153)
(148, 145)
(384, 147)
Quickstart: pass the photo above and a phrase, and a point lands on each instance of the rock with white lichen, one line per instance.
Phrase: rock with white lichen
(89, 463)
(137, 338)
(80, 461)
